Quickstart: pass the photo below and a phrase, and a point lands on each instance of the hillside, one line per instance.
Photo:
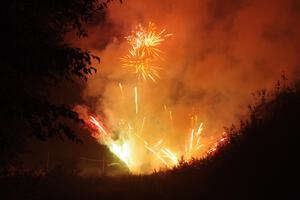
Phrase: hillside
(258, 162)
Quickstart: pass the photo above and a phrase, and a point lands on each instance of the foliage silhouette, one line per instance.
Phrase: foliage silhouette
(35, 60)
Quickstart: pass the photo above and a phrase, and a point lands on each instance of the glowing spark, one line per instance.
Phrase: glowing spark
(144, 52)
(165, 107)
(151, 77)
(143, 123)
(171, 116)
(170, 155)
(191, 148)
(192, 139)
(97, 124)
(217, 144)
(136, 99)
(157, 155)
(159, 143)
(198, 141)
(121, 89)
(199, 147)
(199, 129)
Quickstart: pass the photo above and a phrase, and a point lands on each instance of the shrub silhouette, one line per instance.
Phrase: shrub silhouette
(258, 162)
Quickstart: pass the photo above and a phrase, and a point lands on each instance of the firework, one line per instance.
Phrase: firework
(194, 145)
(123, 150)
(144, 52)
(120, 148)
(132, 132)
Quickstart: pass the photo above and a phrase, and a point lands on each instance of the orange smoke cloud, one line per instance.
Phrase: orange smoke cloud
(221, 51)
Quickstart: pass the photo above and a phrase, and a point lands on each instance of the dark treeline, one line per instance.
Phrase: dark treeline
(258, 162)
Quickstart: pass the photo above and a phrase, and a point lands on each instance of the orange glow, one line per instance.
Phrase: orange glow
(143, 134)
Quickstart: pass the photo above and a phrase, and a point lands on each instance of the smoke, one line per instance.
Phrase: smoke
(220, 53)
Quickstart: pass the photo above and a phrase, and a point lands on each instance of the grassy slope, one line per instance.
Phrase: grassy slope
(259, 162)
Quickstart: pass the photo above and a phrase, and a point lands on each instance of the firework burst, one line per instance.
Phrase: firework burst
(144, 54)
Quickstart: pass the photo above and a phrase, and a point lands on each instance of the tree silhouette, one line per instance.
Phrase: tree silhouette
(36, 58)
